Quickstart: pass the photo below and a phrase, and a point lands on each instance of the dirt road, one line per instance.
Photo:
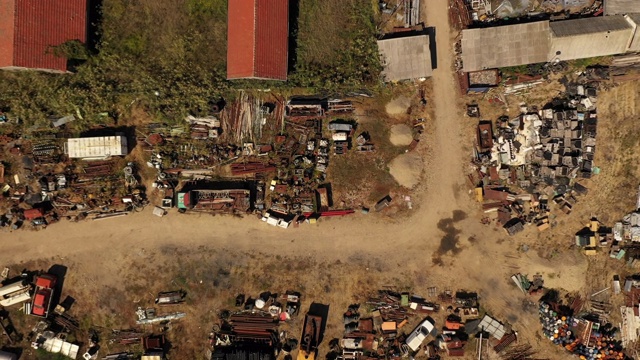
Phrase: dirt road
(433, 228)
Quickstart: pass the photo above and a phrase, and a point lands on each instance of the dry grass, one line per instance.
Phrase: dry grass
(212, 278)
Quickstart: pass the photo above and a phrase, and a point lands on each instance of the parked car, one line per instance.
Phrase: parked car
(41, 302)
(417, 336)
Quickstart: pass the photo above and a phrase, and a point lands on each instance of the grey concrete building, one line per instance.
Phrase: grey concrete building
(589, 37)
(503, 46)
(405, 58)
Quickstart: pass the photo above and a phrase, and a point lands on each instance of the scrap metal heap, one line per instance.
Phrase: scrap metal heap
(589, 336)
(252, 333)
(380, 336)
(42, 189)
(537, 158)
(488, 11)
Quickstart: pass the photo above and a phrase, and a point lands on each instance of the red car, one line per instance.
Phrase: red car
(41, 302)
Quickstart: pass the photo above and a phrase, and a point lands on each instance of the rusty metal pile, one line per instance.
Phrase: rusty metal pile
(258, 327)
(254, 331)
(536, 160)
(589, 336)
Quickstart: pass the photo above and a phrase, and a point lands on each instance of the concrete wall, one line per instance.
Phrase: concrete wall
(589, 45)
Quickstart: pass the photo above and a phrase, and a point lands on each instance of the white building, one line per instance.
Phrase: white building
(96, 148)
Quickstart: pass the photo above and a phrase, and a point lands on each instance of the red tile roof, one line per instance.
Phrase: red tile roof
(258, 32)
(7, 11)
(29, 28)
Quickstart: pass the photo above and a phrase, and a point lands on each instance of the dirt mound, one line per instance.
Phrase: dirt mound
(398, 106)
(401, 135)
(407, 169)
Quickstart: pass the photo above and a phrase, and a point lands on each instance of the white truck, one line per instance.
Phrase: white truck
(417, 336)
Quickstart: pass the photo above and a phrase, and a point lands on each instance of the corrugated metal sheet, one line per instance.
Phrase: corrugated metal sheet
(592, 25)
(615, 7)
(37, 26)
(7, 22)
(503, 46)
(406, 58)
(258, 32)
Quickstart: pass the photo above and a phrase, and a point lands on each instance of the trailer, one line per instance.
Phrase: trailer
(311, 332)
(41, 301)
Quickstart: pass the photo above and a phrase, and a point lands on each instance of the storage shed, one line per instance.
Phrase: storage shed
(96, 148)
(589, 37)
(503, 46)
(258, 39)
(405, 58)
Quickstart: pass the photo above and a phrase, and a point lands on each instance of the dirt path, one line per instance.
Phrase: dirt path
(446, 183)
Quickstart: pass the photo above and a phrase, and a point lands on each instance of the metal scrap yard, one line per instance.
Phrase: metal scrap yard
(280, 180)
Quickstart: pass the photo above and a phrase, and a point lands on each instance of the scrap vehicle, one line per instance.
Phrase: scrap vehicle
(170, 297)
(485, 136)
(311, 332)
(41, 302)
(417, 336)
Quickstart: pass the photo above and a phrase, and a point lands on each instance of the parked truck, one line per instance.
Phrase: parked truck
(41, 302)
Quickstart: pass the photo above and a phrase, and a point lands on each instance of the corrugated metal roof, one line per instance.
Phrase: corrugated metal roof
(592, 37)
(492, 326)
(37, 26)
(615, 7)
(7, 21)
(97, 147)
(241, 39)
(406, 58)
(258, 35)
(589, 25)
(503, 46)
